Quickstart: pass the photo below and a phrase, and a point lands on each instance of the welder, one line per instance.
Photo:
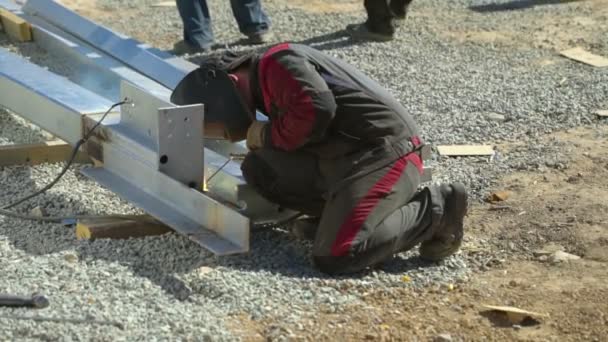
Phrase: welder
(337, 147)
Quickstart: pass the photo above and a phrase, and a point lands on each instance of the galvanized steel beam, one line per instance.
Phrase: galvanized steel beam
(127, 50)
(103, 59)
(130, 165)
(50, 103)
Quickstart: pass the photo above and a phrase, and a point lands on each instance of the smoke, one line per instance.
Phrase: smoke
(100, 83)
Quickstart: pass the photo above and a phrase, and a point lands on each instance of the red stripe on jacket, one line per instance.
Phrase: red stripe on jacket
(289, 130)
(355, 220)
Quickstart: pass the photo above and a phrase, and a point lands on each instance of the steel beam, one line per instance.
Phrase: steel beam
(50, 103)
(10, 6)
(160, 66)
(91, 68)
(163, 67)
(127, 50)
(129, 166)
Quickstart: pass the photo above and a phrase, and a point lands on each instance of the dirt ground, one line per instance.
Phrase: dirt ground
(544, 211)
(549, 209)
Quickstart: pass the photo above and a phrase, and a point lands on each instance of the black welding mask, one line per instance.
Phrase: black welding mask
(222, 102)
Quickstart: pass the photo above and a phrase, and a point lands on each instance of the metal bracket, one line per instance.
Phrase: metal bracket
(180, 144)
(175, 133)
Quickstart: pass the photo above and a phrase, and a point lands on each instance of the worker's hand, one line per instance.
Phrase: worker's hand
(255, 135)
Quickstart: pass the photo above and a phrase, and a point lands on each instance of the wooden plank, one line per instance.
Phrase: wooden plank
(120, 228)
(580, 55)
(515, 315)
(164, 4)
(465, 150)
(15, 27)
(38, 153)
(602, 113)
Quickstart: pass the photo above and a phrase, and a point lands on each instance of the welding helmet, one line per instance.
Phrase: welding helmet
(223, 104)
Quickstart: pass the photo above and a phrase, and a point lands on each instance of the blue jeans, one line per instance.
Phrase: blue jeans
(197, 22)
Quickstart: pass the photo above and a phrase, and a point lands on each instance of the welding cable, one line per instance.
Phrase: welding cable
(284, 222)
(75, 150)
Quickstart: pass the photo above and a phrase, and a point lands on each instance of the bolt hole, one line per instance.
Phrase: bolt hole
(186, 119)
(164, 159)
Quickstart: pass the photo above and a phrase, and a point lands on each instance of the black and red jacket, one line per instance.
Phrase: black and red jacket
(320, 104)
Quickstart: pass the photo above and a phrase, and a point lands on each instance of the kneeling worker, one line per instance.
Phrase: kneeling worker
(337, 147)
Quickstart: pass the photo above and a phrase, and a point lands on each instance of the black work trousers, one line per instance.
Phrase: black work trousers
(381, 14)
(363, 221)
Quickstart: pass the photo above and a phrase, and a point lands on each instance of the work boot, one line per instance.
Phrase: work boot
(260, 38)
(362, 32)
(184, 48)
(304, 228)
(448, 238)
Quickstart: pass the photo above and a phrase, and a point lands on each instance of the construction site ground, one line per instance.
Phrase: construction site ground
(557, 200)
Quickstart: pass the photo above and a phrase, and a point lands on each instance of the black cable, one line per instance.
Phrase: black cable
(75, 150)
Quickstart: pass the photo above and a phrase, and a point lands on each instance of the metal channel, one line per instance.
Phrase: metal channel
(10, 6)
(95, 71)
(50, 101)
(60, 106)
(125, 49)
(202, 219)
(160, 66)
(48, 13)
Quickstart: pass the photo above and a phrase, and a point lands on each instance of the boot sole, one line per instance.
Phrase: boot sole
(435, 250)
(460, 201)
(369, 36)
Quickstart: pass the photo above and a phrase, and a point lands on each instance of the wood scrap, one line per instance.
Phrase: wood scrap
(498, 196)
(580, 55)
(38, 153)
(15, 27)
(465, 150)
(164, 4)
(120, 228)
(602, 113)
(515, 315)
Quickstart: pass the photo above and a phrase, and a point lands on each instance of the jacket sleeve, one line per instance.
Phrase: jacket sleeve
(302, 103)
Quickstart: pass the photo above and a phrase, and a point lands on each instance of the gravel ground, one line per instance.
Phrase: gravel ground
(168, 288)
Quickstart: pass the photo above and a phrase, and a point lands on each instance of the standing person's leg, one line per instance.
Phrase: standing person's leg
(379, 25)
(252, 20)
(399, 8)
(381, 214)
(198, 33)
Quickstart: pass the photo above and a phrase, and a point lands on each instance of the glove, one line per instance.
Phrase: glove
(255, 135)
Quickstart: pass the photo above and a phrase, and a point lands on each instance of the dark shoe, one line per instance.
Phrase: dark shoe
(361, 32)
(304, 228)
(260, 38)
(448, 238)
(184, 48)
